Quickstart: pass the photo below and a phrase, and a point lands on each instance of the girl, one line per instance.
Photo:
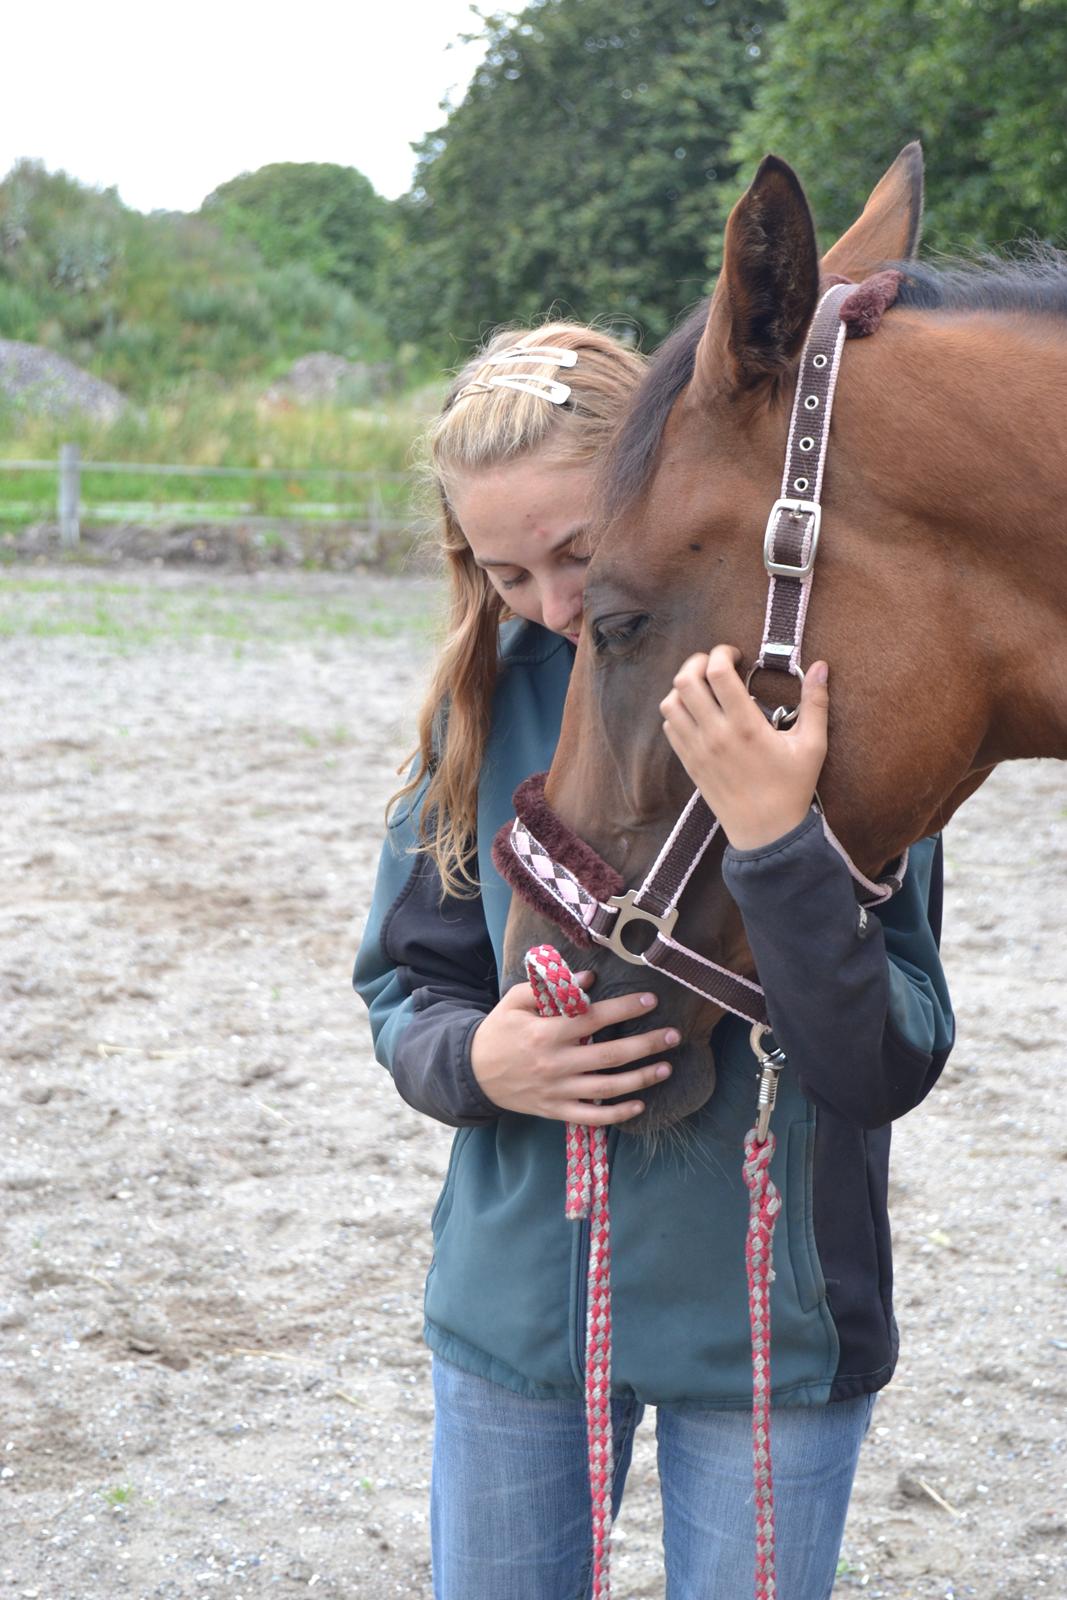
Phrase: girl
(514, 455)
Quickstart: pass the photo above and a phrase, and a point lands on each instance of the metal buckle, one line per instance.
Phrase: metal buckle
(796, 508)
(627, 913)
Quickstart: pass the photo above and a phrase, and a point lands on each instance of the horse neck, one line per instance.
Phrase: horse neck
(975, 440)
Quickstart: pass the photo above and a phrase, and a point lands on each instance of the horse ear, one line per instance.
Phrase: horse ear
(889, 227)
(768, 287)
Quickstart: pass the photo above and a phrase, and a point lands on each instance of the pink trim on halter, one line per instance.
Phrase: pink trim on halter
(698, 854)
(712, 966)
(561, 842)
(544, 866)
(878, 893)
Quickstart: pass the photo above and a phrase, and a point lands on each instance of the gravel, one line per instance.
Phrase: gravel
(214, 1207)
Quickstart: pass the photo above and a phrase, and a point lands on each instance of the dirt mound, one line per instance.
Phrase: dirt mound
(321, 378)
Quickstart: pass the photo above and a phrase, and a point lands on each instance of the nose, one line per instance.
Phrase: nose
(561, 607)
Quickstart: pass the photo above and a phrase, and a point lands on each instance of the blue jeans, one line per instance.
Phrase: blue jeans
(510, 1515)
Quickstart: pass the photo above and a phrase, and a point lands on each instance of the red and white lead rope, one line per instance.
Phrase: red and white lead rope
(557, 994)
(764, 1204)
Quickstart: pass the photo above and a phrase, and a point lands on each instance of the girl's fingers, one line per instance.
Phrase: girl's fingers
(676, 713)
(608, 1086)
(588, 1115)
(521, 996)
(725, 683)
(691, 692)
(614, 1053)
(606, 1013)
(814, 706)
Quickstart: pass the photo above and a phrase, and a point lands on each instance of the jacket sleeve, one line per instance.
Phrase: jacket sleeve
(858, 1001)
(427, 974)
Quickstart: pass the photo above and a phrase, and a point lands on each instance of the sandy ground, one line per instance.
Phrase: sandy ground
(214, 1206)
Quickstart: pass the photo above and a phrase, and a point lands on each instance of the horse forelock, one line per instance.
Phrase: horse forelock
(629, 463)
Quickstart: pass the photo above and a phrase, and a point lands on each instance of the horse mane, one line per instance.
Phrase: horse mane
(1035, 282)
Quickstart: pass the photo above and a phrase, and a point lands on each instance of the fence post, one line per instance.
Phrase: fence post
(375, 519)
(69, 494)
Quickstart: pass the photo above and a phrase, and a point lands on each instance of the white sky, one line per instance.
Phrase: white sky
(166, 101)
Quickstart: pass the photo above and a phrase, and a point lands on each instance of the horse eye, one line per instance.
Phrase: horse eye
(616, 634)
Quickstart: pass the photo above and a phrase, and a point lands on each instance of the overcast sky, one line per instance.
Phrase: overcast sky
(166, 101)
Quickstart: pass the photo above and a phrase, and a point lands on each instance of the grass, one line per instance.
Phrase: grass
(127, 616)
(205, 427)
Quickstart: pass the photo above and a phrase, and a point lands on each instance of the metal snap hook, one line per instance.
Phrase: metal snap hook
(772, 1060)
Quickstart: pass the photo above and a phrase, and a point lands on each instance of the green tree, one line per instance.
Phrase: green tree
(584, 169)
(150, 301)
(326, 216)
(981, 82)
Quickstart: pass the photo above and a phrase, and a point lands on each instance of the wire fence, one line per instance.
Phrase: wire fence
(375, 502)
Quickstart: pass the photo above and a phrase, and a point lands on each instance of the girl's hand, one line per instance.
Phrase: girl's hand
(759, 782)
(537, 1065)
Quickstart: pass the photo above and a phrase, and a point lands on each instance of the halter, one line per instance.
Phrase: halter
(562, 875)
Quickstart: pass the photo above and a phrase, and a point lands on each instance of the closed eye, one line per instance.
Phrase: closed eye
(616, 635)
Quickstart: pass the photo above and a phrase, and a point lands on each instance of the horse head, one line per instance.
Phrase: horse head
(901, 606)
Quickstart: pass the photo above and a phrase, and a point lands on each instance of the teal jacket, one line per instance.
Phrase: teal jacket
(861, 1007)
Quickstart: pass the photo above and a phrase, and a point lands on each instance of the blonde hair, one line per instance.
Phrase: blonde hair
(481, 426)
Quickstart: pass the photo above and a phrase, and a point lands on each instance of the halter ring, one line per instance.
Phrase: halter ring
(627, 913)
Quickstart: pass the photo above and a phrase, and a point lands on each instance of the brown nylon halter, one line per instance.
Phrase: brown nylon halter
(557, 882)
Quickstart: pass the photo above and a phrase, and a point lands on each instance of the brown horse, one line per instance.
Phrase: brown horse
(940, 591)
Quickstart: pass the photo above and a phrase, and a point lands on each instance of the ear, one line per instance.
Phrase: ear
(888, 229)
(768, 287)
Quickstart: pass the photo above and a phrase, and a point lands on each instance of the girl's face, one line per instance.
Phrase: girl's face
(526, 525)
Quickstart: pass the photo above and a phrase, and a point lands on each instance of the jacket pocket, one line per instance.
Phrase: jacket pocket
(803, 1256)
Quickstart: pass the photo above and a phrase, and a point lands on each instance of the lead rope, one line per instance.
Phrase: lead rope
(763, 1207)
(557, 994)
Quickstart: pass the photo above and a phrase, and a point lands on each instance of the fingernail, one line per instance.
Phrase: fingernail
(648, 999)
(821, 672)
(672, 1036)
(663, 1070)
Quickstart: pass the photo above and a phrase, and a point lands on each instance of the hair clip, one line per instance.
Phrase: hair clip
(529, 383)
(545, 353)
(549, 389)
